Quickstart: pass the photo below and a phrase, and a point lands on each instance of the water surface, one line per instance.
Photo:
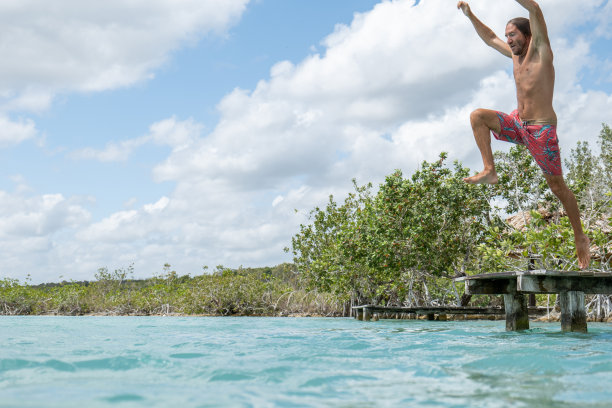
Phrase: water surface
(295, 362)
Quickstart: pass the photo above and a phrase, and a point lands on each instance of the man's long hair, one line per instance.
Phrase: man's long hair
(522, 24)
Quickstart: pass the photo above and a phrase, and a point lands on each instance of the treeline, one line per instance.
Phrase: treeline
(402, 244)
(246, 291)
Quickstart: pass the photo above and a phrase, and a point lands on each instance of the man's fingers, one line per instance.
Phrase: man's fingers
(463, 6)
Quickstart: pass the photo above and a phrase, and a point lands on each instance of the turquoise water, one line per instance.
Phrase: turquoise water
(295, 362)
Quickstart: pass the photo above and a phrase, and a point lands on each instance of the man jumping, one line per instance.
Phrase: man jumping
(534, 123)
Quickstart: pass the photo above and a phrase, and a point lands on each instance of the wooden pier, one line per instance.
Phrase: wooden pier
(514, 286)
(369, 312)
(571, 287)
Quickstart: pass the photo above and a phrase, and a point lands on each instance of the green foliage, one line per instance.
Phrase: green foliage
(260, 291)
(589, 175)
(521, 185)
(552, 237)
(400, 244)
(397, 245)
(605, 144)
(381, 247)
(582, 166)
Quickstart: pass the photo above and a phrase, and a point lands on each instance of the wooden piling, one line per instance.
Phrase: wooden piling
(573, 314)
(517, 317)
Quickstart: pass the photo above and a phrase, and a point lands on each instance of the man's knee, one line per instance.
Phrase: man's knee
(477, 117)
(484, 117)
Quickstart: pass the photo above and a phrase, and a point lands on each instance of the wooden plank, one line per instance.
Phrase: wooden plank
(545, 272)
(564, 283)
(442, 310)
(435, 310)
(494, 286)
(488, 276)
(517, 317)
(538, 281)
(573, 314)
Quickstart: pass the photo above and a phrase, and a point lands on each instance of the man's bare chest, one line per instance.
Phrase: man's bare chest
(532, 76)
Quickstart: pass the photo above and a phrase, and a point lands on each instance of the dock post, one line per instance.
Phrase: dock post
(366, 314)
(359, 314)
(517, 317)
(573, 314)
(531, 267)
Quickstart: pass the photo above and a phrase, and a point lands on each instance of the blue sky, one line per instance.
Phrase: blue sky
(189, 85)
(188, 131)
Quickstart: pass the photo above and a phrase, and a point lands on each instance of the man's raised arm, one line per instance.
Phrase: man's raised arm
(487, 35)
(539, 31)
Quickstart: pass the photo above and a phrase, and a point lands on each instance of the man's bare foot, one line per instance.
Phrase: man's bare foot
(484, 177)
(583, 249)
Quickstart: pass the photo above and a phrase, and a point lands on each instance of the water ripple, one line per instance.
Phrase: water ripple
(244, 362)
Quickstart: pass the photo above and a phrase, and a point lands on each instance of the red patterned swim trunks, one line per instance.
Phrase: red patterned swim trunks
(540, 140)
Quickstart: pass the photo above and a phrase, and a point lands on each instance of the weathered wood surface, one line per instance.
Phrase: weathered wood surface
(571, 287)
(440, 310)
(517, 317)
(573, 314)
(538, 281)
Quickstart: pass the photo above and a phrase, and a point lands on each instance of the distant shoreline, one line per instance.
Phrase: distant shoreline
(554, 316)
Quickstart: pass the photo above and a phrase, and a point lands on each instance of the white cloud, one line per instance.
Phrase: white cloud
(30, 228)
(74, 46)
(392, 89)
(70, 45)
(412, 73)
(277, 200)
(604, 17)
(158, 206)
(43, 215)
(14, 132)
(174, 133)
(113, 152)
(169, 132)
(26, 100)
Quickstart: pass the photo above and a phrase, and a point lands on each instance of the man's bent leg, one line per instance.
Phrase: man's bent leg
(483, 121)
(559, 188)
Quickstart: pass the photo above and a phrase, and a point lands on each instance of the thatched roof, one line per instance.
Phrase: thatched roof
(520, 221)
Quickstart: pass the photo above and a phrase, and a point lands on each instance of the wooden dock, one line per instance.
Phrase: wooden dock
(571, 287)
(369, 312)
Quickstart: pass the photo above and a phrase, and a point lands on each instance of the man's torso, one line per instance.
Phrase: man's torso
(534, 75)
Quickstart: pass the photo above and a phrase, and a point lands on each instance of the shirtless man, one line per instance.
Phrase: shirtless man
(534, 123)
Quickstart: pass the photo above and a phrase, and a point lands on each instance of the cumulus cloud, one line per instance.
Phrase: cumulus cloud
(38, 216)
(604, 18)
(16, 131)
(168, 132)
(72, 45)
(390, 90)
(112, 152)
(30, 227)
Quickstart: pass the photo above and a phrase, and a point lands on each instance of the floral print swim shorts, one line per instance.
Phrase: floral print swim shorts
(540, 139)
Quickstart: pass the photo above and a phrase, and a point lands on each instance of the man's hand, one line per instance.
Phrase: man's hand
(464, 7)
